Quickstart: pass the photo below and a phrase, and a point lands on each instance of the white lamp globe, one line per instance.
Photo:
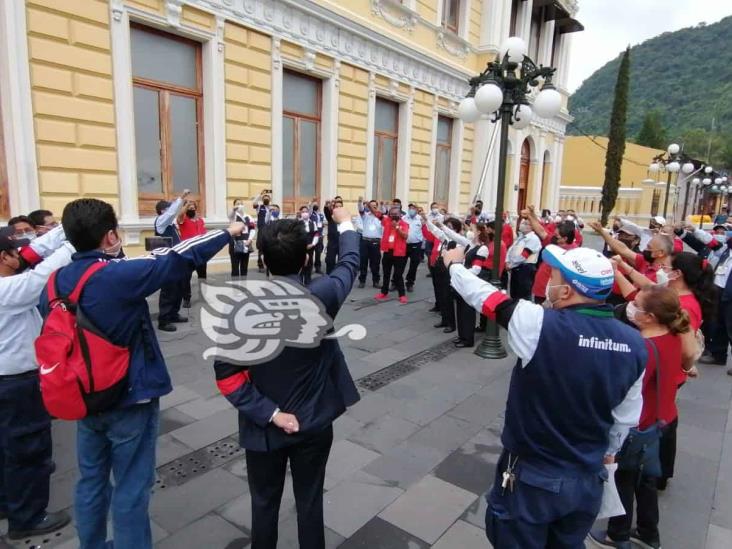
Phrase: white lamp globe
(687, 168)
(715, 188)
(515, 47)
(650, 182)
(708, 169)
(725, 179)
(718, 181)
(723, 188)
(488, 98)
(654, 167)
(548, 103)
(673, 167)
(522, 117)
(467, 111)
(673, 148)
(696, 181)
(706, 181)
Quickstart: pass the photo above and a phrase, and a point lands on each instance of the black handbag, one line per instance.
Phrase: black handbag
(641, 449)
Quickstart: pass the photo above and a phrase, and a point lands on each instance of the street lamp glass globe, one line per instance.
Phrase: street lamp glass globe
(718, 181)
(548, 103)
(673, 148)
(467, 111)
(696, 181)
(723, 188)
(706, 181)
(654, 167)
(708, 169)
(515, 47)
(673, 167)
(715, 188)
(522, 117)
(687, 168)
(488, 98)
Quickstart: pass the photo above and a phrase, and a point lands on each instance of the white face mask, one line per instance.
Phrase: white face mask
(548, 303)
(114, 250)
(557, 219)
(661, 278)
(631, 311)
(435, 211)
(524, 228)
(304, 216)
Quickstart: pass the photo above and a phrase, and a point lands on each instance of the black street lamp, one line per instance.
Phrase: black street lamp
(502, 91)
(673, 161)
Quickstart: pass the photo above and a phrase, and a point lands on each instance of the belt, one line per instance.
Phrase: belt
(29, 373)
(414, 243)
(372, 239)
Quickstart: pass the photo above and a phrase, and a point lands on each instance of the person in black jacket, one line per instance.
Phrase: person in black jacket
(287, 404)
(331, 250)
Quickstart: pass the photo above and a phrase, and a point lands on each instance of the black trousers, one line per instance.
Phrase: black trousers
(397, 264)
(201, 272)
(239, 264)
(171, 296)
(434, 285)
(318, 253)
(632, 487)
(414, 253)
(266, 476)
(331, 253)
(306, 273)
(719, 332)
(521, 281)
(370, 259)
(667, 449)
(25, 450)
(465, 316)
(260, 263)
(444, 294)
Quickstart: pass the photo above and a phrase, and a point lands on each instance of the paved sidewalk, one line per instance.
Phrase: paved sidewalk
(410, 462)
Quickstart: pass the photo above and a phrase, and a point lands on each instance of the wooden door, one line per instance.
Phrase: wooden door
(523, 183)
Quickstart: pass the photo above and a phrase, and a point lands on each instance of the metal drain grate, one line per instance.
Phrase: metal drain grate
(398, 370)
(196, 463)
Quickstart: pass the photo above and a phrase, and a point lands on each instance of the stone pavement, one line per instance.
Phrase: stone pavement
(410, 462)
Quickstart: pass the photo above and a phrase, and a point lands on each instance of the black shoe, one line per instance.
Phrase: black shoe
(434, 310)
(429, 275)
(462, 344)
(480, 328)
(645, 544)
(377, 284)
(187, 303)
(392, 287)
(440, 325)
(410, 287)
(167, 327)
(599, 538)
(179, 319)
(457, 340)
(449, 330)
(361, 284)
(661, 484)
(709, 359)
(49, 523)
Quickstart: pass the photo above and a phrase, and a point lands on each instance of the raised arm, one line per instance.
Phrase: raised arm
(169, 215)
(613, 243)
(536, 226)
(456, 237)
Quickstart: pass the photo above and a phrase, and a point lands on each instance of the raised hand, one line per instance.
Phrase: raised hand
(236, 228)
(341, 214)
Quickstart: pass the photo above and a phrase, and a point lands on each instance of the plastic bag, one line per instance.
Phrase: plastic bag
(611, 505)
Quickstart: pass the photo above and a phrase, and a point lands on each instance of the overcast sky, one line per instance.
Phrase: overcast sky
(610, 25)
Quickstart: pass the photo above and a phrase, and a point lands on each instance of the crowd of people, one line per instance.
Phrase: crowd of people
(609, 336)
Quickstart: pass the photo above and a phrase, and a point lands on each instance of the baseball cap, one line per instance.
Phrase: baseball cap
(7, 242)
(630, 229)
(589, 272)
(659, 220)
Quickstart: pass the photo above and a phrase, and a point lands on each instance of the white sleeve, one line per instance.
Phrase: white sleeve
(626, 415)
(22, 291)
(524, 329)
(533, 243)
(168, 216)
(48, 243)
(703, 236)
(345, 226)
(473, 290)
(452, 235)
(435, 230)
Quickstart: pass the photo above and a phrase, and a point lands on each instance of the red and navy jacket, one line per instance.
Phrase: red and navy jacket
(391, 240)
(314, 384)
(436, 245)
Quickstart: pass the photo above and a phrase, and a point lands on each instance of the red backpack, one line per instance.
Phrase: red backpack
(82, 372)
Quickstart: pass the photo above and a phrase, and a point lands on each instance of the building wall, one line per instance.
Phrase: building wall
(352, 137)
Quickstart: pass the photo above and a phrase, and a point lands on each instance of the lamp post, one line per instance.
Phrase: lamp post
(673, 162)
(501, 91)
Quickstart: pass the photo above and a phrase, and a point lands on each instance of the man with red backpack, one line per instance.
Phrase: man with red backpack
(120, 440)
(25, 426)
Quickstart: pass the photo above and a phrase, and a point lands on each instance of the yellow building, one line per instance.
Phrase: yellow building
(583, 173)
(131, 101)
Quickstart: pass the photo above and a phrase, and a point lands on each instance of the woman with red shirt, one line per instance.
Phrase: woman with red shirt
(657, 313)
(394, 249)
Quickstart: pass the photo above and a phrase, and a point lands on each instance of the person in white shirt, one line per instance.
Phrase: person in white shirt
(25, 426)
(414, 244)
(372, 231)
(312, 230)
(521, 259)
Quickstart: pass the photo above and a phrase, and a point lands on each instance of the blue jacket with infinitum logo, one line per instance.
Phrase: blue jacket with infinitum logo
(114, 301)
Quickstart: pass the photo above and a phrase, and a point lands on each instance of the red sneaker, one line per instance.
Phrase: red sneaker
(403, 299)
(380, 297)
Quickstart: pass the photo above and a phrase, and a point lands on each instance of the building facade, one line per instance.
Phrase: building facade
(131, 101)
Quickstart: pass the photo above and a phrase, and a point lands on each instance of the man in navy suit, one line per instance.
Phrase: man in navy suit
(287, 404)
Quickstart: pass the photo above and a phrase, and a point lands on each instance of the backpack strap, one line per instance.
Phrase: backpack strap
(73, 297)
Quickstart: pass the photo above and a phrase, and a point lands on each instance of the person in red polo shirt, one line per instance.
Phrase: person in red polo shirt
(394, 250)
(190, 225)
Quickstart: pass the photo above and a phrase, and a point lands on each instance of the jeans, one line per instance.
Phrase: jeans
(370, 249)
(25, 450)
(266, 477)
(122, 442)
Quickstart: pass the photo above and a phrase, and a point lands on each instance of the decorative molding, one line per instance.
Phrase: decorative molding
(395, 13)
(117, 8)
(220, 25)
(314, 26)
(173, 12)
(453, 44)
(572, 6)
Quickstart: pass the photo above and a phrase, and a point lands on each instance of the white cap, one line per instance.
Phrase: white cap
(589, 272)
(659, 220)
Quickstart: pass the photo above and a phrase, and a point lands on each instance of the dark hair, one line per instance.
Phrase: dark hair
(161, 206)
(433, 204)
(20, 219)
(699, 277)
(237, 200)
(478, 202)
(86, 221)
(663, 303)
(454, 223)
(546, 213)
(284, 245)
(482, 232)
(37, 218)
(565, 230)
(397, 200)
(305, 207)
(412, 205)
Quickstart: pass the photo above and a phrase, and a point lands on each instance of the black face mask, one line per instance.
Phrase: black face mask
(478, 210)
(191, 213)
(266, 201)
(315, 208)
(395, 217)
(648, 256)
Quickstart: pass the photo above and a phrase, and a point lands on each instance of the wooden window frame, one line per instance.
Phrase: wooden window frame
(146, 201)
(379, 136)
(446, 146)
(445, 9)
(292, 204)
(4, 186)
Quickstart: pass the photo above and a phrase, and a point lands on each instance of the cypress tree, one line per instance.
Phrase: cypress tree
(616, 135)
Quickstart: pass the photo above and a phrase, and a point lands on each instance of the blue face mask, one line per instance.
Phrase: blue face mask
(275, 214)
(412, 212)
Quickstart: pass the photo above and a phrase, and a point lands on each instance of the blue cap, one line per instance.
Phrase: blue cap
(588, 271)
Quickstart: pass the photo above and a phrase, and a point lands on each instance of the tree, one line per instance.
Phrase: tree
(616, 143)
(652, 133)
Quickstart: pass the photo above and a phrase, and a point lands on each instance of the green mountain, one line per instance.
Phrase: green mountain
(685, 76)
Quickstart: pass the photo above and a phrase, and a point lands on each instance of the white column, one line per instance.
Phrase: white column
(481, 139)
(491, 23)
(329, 150)
(214, 108)
(513, 177)
(556, 175)
(456, 166)
(538, 164)
(546, 41)
(123, 107)
(370, 138)
(523, 24)
(15, 92)
(565, 50)
(433, 153)
(404, 147)
(277, 76)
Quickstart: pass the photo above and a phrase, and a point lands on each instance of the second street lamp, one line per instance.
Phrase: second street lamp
(502, 91)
